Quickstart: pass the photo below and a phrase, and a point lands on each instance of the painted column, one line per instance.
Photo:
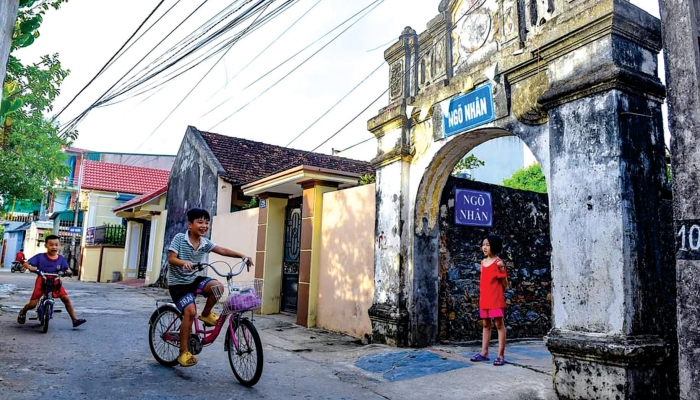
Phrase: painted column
(680, 22)
(612, 308)
(389, 312)
(312, 210)
(270, 250)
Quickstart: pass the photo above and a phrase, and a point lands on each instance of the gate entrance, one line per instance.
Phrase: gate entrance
(577, 82)
(292, 255)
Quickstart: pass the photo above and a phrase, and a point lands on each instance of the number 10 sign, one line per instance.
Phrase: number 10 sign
(688, 240)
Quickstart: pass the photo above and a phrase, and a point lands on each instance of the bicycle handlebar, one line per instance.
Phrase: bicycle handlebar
(202, 266)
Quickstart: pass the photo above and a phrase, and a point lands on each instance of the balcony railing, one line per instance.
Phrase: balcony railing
(106, 235)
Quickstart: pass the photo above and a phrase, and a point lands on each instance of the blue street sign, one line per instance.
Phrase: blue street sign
(75, 229)
(473, 208)
(468, 111)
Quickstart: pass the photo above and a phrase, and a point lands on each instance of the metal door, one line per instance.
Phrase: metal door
(292, 253)
(145, 244)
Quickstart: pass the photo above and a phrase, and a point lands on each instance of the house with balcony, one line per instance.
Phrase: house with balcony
(102, 188)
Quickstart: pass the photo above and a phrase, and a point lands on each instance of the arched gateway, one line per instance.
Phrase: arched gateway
(576, 80)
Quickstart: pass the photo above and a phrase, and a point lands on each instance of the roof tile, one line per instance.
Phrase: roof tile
(122, 178)
(246, 161)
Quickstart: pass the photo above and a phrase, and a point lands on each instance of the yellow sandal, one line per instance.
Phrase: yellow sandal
(209, 320)
(187, 359)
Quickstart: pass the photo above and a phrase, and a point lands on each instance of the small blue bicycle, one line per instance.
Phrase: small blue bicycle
(44, 310)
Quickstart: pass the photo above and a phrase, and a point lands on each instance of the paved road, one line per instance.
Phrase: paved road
(109, 358)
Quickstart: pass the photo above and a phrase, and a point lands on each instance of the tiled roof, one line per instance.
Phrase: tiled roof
(122, 178)
(74, 150)
(246, 161)
(143, 199)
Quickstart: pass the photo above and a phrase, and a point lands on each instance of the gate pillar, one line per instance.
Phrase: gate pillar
(607, 176)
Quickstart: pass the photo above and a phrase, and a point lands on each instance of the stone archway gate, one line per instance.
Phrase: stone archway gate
(577, 81)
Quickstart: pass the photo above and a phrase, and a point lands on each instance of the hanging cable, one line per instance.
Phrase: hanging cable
(108, 62)
(295, 68)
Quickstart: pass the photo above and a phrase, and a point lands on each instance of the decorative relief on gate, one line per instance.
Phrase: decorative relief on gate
(396, 80)
(474, 32)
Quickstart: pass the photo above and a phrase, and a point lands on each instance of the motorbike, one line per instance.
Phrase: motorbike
(17, 266)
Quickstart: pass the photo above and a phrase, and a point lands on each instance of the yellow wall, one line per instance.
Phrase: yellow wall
(346, 273)
(112, 260)
(237, 231)
(99, 210)
(90, 264)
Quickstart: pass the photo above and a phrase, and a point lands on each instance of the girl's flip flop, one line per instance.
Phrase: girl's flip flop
(21, 318)
(478, 357)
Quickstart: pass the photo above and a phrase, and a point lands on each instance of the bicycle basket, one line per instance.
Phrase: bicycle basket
(243, 296)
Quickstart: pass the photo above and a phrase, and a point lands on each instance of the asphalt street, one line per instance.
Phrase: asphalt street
(109, 358)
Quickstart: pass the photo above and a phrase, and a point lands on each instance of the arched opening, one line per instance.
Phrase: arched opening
(497, 196)
(431, 250)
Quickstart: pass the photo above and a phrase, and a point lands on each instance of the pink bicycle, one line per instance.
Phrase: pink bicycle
(243, 345)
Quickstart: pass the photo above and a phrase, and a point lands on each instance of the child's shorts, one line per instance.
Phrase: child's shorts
(486, 313)
(183, 295)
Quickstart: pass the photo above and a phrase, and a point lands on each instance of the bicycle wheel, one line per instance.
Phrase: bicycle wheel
(48, 308)
(165, 351)
(246, 360)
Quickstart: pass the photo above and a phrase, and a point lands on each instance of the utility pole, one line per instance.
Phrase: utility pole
(76, 212)
(8, 15)
(680, 35)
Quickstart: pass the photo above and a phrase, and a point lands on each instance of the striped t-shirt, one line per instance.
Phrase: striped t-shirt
(185, 251)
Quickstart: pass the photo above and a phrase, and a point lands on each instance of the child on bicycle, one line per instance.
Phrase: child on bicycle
(186, 250)
(50, 263)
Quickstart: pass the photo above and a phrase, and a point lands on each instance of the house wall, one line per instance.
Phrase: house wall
(90, 264)
(112, 260)
(237, 231)
(346, 273)
(14, 243)
(139, 160)
(157, 237)
(99, 210)
(193, 183)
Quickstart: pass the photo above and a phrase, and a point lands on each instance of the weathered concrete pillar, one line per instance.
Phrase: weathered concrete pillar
(607, 176)
(680, 33)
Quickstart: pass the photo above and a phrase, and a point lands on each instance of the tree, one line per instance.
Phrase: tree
(30, 145)
(8, 15)
(530, 178)
(468, 163)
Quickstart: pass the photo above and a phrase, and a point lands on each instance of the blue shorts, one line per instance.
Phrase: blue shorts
(184, 295)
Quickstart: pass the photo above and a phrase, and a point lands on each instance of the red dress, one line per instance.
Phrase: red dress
(491, 287)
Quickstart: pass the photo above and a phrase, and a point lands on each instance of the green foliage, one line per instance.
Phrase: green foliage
(468, 163)
(31, 159)
(367, 179)
(530, 178)
(115, 235)
(29, 19)
(252, 204)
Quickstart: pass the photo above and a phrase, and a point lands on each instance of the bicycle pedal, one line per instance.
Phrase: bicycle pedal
(32, 318)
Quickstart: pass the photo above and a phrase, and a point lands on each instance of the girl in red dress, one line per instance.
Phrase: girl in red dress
(492, 302)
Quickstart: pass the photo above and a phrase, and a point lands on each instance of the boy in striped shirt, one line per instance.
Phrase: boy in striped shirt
(186, 250)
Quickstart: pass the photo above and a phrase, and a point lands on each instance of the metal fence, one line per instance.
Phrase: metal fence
(107, 235)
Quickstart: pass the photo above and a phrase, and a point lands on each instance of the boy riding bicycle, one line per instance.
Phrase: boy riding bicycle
(50, 263)
(186, 250)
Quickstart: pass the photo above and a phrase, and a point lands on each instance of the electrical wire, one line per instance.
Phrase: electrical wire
(335, 105)
(207, 73)
(379, 2)
(267, 47)
(108, 62)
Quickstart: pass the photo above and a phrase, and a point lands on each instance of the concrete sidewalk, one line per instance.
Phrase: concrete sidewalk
(436, 372)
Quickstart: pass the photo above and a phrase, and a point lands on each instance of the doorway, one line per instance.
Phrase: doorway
(292, 254)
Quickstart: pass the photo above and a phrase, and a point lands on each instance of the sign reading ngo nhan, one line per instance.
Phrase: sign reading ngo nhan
(468, 111)
(473, 208)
